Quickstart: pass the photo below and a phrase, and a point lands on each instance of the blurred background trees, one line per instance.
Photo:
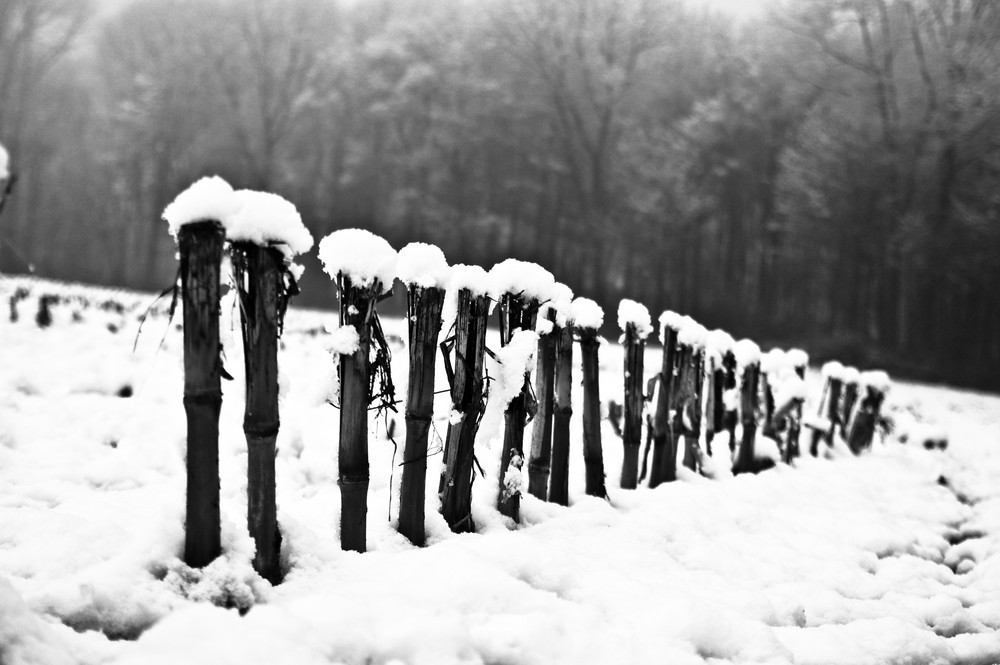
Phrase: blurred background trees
(826, 173)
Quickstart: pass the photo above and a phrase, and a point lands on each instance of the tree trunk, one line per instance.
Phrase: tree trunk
(539, 461)
(424, 324)
(559, 483)
(259, 296)
(745, 461)
(201, 257)
(632, 430)
(357, 307)
(593, 455)
(664, 468)
(467, 400)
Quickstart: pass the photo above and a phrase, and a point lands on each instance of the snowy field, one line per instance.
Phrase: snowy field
(889, 558)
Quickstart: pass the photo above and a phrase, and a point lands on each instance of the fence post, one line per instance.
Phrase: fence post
(748, 362)
(423, 269)
(559, 481)
(862, 428)
(633, 319)
(851, 377)
(799, 360)
(588, 318)
(363, 265)
(539, 459)
(829, 407)
(688, 387)
(200, 246)
(717, 345)
(466, 400)
(664, 465)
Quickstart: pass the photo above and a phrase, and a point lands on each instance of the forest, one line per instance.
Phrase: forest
(825, 174)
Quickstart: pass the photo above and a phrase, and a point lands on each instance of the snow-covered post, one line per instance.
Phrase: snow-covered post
(520, 287)
(747, 355)
(515, 361)
(549, 333)
(7, 178)
(588, 318)
(689, 384)
(363, 265)
(773, 366)
(664, 465)
(875, 384)
(470, 285)
(718, 344)
(794, 391)
(851, 377)
(829, 408)
(633, 319)
(195, 218)
(265, 235)
(562, 406)
(424, 271)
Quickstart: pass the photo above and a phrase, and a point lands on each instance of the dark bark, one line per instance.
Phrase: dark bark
(466, 399)
(515, 314)
(664, 466)
(847, 407)
(357, 307)
(201, 257)
(694, 381)
(745, 460)
(540, 458)
(559, 479)
(862, 427)
(729, 383)
(593, 454)
(424, 324)
(259, 296)
(634, 398)
(794, 420)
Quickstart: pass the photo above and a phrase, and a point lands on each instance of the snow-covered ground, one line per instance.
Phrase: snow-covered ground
(889, 558)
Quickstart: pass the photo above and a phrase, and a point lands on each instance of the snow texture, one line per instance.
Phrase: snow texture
(775, 362)
(4, 163)
(798, 358)
(632, 313)
(473, 278)
(422, 265)
(516, 360)
(693, 334)
(344, 341)
(671, 319)
(561, 302)
(747, 353)
(586, 313)
(720, 342)
(789, 387)
(267, 220)
(529, 280)
(367, 259)
(833, 370)
(850, 375)
(207, 199)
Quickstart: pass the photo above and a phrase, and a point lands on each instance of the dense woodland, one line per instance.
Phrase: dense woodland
(825, 174)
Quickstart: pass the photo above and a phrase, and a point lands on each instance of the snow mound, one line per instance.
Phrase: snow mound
(473, 278)
(268, 220)
(530, 280)
(560, 302)
(515, 362)
(207, 199)
(693, 334)
(586, 313)
(833, 370)
(636, 314)
(775, 361)
(422, 265)
(747, 353)
(790, 387)
(876, 379)
(850, 375)
(671, 319)
(798, 358)
(720, 342)
(367, 259)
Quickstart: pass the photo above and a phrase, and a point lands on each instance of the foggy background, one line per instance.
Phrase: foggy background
(818, 172)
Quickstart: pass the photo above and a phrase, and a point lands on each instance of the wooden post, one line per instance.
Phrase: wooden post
(357, 308)
(690, 404)
(749, 388)
(795, 423)
(559, 481)
(851, 378)
(539, 460)
(632, 431)
(424, 323)
(664, 466)
(862, 426)
(200, 245)
(731, 414)
(259, 282)
(715, 410)
(834, 389)
(516, 313)
(593, 454)
(467, 402)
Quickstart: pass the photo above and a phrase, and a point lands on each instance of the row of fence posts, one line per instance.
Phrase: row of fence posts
(264, 293)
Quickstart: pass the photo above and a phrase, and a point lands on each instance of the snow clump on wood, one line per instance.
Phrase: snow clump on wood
(747, 353)
(632, 312)
(529, 280)
(693, 334)
(718, 343)
(876, 379)
(361, 256)
(422, 265)
(267, 220)
(207, 199)
(344, 341)
(798, 358)
(515, 361)
(585, 313)
(833, 370)
(850, 375)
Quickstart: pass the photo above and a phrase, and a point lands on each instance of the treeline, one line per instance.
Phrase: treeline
(825, 175)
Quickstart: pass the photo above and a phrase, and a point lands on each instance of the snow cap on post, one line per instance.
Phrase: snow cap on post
(833, 370)
(693, 334)
(473, 278)
(4, 163)
(876, 380)
(673, 320)
(850, 375)
(797, 358)
(530, 280)
(790, 387)
(268, 220)
(422, 265)
(775, 362)
(360, 255)
(208, 199)
(630, 311)
(719, 342)
(747, 353)
(585, 313)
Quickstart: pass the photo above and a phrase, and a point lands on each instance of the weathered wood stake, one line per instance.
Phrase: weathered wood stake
(593, 454)
(559, 480)
(540, 457)
(664, 465)
(862, 427)
(424, 323)
(200, 245)
(635, 347)
(749, 390)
